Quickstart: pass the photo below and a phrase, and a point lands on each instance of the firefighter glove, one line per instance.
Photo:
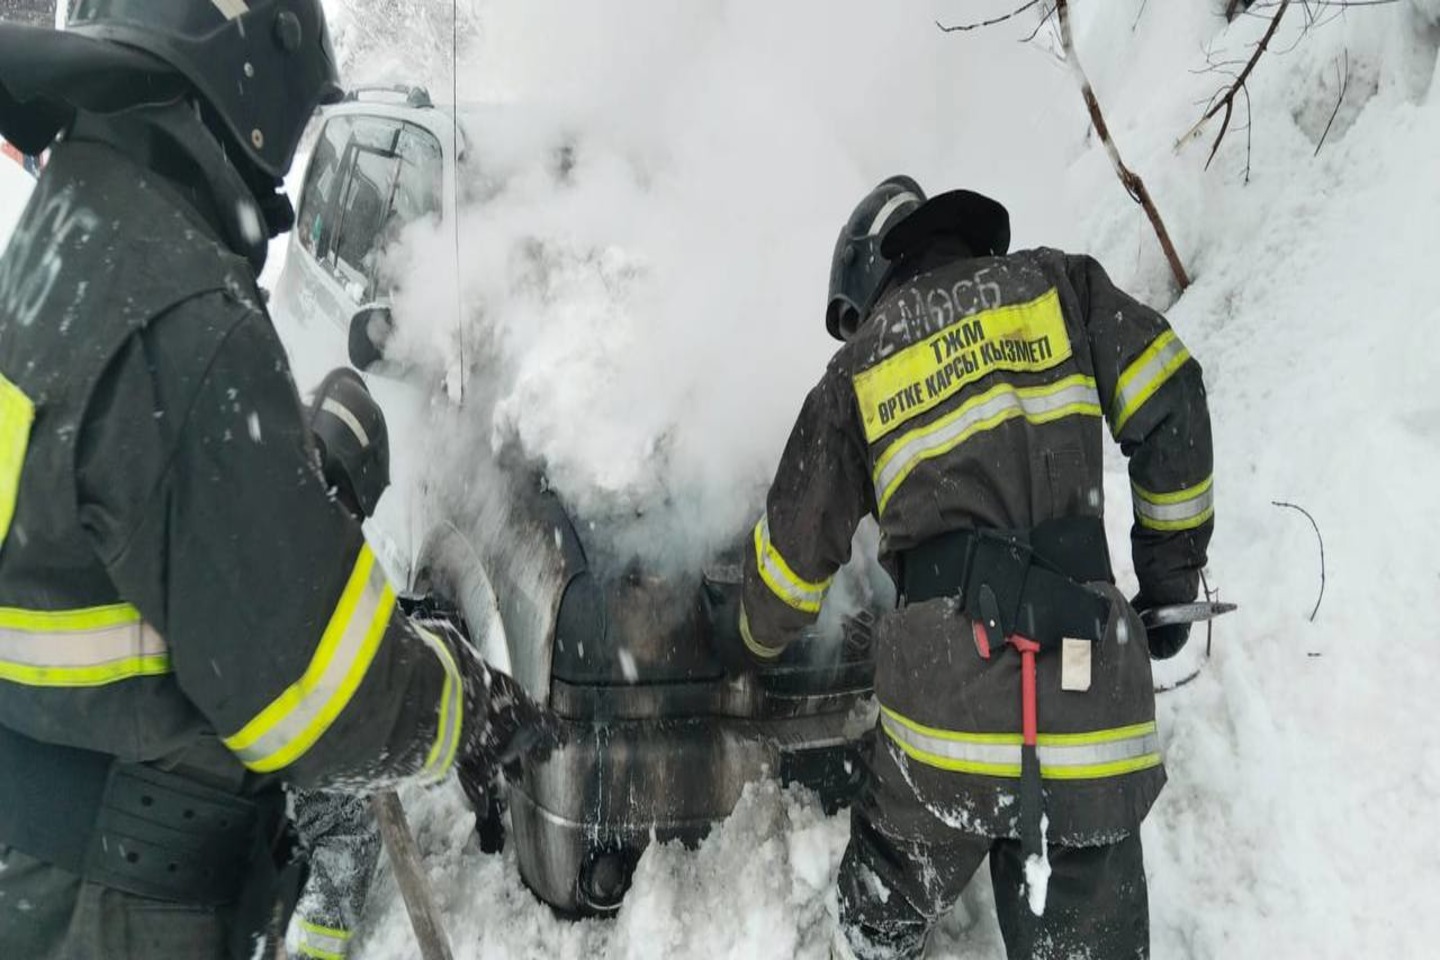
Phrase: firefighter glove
(1165, 642)
(721, 607)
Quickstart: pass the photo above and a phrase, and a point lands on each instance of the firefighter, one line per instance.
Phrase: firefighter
(1017, 717)
(189, 622)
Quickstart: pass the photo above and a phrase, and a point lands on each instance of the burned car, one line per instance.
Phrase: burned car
(659, 742)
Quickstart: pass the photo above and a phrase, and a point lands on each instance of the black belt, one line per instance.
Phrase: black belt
(129, 826)
(1028, 582)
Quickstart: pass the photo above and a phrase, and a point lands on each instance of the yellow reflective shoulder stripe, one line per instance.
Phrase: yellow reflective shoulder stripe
(1018, 338)
(793, 590)
(451, 715)
(323, 943)
(287, 728)
(17, 415)
(1183, 510)
(1073, 396)
(90, 647)
(1074, 756)
(1145, 376)
(754, 646)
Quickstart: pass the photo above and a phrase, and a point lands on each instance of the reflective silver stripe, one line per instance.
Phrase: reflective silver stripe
(86, 648)
(231, 8)
(1087, 756)
(1183, 510)
(755, 646)
(323, 943)
(79, 648)
(1074, 395)
(289, 726)
(796, 592)
(1146, 375)
(341, 412)
(894, 203)
(451, 711)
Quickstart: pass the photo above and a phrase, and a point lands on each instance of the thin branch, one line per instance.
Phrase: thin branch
(961, 27)
(1210, 596)
(1291, 506)
(1131, 181)
(1344, 86)
(1227, 101)
(1044, 19)
(1272, 4)
(1249, 133)
(1138, 14)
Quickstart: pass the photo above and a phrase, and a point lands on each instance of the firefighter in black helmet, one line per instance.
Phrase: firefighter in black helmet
(965, 412)
(188, 621)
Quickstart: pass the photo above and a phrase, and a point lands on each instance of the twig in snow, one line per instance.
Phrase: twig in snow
(1226, 102)
(981, 24)
(1344, 86)
(1272, 4)
(1131, 181)
(1210, 596)
(1138, 14)
(1044, 19)
(1318, 537)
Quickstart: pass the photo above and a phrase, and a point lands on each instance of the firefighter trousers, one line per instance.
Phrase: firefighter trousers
(905, 867)
(49, 914)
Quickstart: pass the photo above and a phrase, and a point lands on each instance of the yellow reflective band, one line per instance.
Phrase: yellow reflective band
(1068, 756)
(1183, 510)
(1022, 337)
(1073, 396)
(451, 714)
(69, 621)
(282, 732)
(91, 647)
(324, 943)
(803, 595)
(17, 415)
(1147, 374)
(753, 645)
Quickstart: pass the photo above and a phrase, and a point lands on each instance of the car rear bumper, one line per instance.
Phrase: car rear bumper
(581, 818)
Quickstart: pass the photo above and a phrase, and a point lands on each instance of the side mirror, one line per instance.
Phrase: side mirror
(370, 331)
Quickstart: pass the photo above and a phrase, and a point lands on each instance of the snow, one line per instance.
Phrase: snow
(1037, 872)
(650, 321)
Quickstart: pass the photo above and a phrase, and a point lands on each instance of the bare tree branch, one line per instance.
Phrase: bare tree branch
(961, 27)
(1131, 181)
(1044, 19)
(1291, 506)
(1344, 82)
(1227, 100)
(1138, 14)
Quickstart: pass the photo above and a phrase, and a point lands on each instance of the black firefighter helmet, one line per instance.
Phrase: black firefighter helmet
(352, 440)
(893, 220)
(857, 269)
(263, 66)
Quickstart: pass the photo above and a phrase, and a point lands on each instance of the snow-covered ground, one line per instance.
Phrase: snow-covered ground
(653, 320)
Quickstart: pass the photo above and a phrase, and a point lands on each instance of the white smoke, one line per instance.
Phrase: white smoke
(645, 258)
